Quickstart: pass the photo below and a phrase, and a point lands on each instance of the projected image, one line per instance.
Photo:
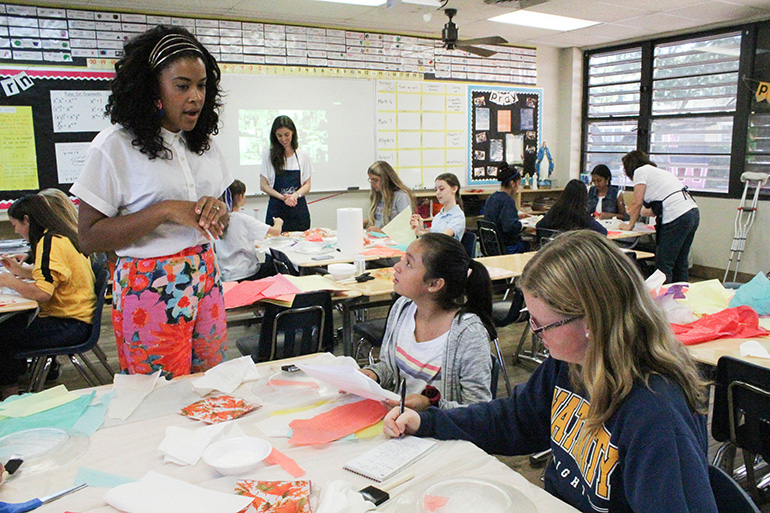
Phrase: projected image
(254, 133)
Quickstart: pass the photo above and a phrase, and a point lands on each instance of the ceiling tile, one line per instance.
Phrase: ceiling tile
(715, 11)
(658, 21)
(572, 39)
(589, 10)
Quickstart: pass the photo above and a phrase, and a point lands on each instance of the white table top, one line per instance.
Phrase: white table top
(131, 450)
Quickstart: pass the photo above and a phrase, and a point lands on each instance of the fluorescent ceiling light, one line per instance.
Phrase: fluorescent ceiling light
(368, 3)
(542, 20)
(429, 3)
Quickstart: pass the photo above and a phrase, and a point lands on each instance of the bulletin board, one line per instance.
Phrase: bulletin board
(504, 124)
(47, 120)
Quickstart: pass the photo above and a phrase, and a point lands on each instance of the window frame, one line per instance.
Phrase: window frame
(644, 119)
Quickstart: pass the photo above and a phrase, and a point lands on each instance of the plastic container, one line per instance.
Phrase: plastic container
(234, 456)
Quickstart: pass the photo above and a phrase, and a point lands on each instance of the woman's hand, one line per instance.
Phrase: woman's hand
(291, 199)
(417, 402)
(374, 229)
(397, 424)
(212, 214)
(12, 264)
(625, 226)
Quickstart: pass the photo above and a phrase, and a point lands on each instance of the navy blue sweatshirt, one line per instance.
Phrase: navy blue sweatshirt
(650, 456)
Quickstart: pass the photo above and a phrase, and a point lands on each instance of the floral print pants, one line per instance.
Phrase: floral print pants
(168, 313)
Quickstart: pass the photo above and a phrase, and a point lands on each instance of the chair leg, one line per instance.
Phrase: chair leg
(40, 366)
(76, 363)
(103, 358)
(520, 346)
(751, 478)
(725, 457)
(502, 367)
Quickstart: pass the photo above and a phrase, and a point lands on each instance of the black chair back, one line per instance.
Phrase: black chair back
(304, 328)
(469, 243)
(282, 263)
(729, 496)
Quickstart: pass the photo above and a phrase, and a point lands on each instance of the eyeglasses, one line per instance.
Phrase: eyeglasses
(374, 180)
(538, 330)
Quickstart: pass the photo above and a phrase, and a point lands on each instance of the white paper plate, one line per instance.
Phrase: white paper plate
(465, 495)
(43, 448)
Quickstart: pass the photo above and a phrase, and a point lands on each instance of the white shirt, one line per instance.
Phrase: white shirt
(660, 184)
(418, 362)
(118, 180)
(300, 160)
(236, 252)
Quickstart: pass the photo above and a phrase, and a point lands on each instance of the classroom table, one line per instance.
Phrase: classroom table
(611, 225)
(130, 450)
(709, 353)
(305, 254)
(11, 304)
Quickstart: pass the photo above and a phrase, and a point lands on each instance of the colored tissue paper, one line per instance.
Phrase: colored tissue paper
(399, 229)
(337, 423)
(433, 502)
(755, 294)
(740, 322)
(30, 404)
(276, 457)
(707, 297)
(245, 293)
(289, 383)
(383, 252)
(227, 376)
(275, 496)
(218, 409)
(64, 416)
(99, 479)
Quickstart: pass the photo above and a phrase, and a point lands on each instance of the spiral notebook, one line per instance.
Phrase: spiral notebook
(389, 458)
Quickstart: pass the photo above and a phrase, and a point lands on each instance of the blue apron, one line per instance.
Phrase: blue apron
(295, 219)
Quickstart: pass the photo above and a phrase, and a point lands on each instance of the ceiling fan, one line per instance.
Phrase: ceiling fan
(450, 36)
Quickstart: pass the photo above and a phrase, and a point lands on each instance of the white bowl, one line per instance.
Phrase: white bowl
(342, 271)
(236, 455)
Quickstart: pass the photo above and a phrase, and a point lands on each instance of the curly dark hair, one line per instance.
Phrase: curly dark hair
(135, 89)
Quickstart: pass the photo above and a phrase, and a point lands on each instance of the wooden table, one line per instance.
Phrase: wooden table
(130, 449)
(709, 353)
(10, 304)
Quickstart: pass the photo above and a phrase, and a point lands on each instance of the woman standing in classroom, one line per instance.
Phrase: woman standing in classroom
(500, 208)
(150, 191)
(605, 200)
(388, 197)
(451, 219)
(285, 177)
(676, 215)
(63, 284)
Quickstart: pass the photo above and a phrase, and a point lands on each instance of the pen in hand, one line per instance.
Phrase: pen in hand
(403, 396)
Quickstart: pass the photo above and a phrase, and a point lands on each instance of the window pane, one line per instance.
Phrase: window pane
(696, 149)
(613, 83)
(697, 75)
(707, 173)
(758, 145)
(607, 142)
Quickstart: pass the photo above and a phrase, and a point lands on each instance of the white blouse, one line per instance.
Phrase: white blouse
(118, 180)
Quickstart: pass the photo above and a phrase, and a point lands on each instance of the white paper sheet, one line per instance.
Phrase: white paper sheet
(130, 391)
(227, 376)
(158, 493)
(348, 379)
(755, 349)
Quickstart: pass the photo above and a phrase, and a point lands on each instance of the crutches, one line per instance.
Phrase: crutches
(744, 219)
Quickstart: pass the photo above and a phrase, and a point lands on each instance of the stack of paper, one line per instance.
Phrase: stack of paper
(275, 288)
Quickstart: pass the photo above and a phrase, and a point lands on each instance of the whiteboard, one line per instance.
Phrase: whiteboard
(335, 121)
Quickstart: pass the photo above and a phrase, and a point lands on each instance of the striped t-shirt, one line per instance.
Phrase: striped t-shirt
(418, 362)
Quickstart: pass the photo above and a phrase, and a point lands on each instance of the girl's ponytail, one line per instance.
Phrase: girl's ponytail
(478, 296)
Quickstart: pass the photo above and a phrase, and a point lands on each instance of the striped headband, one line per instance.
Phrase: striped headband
(169, 45)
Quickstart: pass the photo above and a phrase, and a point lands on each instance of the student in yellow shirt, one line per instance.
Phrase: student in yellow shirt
(63, 284)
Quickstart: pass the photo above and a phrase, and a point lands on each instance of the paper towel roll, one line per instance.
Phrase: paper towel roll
(350, 230)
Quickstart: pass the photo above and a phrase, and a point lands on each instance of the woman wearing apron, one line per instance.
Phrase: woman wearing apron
(286, 177)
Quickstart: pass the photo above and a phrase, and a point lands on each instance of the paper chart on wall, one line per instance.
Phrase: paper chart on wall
(421, 129)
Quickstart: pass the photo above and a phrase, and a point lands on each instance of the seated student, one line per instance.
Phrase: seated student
(500, 208)
(63, 285)
(619, 401)
(433, 340)
(388, 197)
(236, 253)
(451, 219)
(605, 201)
(569, 213)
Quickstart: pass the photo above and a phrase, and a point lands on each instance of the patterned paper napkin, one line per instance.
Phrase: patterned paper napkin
(218, 409)
(275, 496)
